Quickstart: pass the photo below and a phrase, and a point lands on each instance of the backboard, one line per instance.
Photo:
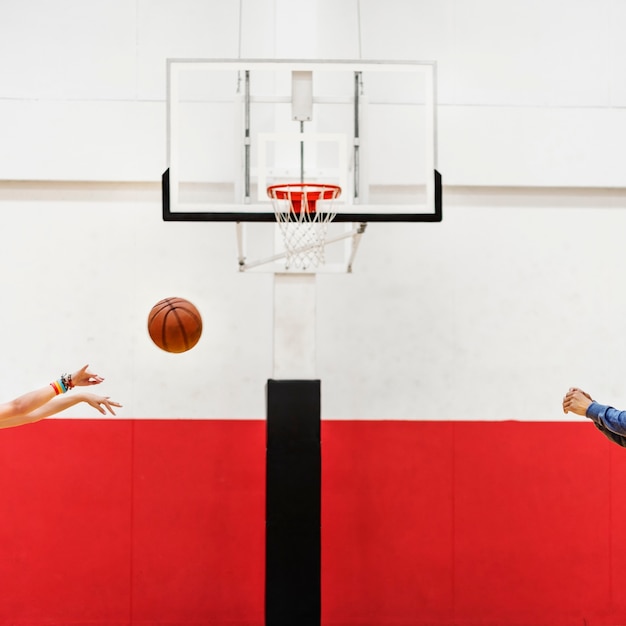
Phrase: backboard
(236, 127)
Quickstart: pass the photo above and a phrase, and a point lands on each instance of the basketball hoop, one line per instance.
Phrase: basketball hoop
(302, 223)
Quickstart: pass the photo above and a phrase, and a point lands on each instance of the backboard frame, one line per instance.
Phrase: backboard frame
(248, 211)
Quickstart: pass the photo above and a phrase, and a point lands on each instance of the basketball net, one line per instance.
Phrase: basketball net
(302, 222)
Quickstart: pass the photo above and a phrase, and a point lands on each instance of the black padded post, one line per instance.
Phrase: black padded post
(293, 504)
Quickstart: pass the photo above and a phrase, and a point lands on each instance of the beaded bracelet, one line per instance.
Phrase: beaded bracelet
(62, 385)
(66, 379)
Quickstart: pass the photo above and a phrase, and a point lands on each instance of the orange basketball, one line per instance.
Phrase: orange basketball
(175, 325)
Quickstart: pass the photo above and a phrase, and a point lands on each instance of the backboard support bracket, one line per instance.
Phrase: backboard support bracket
(354, 234)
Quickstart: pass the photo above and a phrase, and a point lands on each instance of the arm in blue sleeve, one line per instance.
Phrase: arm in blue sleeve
(618, 439)
(608, 417)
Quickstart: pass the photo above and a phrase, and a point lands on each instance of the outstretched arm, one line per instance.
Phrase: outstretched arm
(606, 417)
(612, 419)
(16, 411)
(60, 403)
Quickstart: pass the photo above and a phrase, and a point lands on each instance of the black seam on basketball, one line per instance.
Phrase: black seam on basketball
(167, 307)
(164, 330)
(181, 326)
(164, 304)
(196, 317)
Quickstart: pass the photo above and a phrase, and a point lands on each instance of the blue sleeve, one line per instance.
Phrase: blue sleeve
(609, 418)
(618, 439)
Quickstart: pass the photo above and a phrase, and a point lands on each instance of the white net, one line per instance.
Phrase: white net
(303, 213)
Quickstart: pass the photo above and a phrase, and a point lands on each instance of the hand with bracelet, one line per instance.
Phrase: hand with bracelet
(80, 378)
(54, 398)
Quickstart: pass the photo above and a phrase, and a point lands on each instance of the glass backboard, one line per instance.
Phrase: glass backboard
(236, 127)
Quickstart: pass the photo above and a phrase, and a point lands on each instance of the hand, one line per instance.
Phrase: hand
(576, 401)
(83, 378)
(101, 403)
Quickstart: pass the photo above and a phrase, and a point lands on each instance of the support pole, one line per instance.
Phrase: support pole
(293, 504)
(357, 137)
(294, 325)
(247, 138)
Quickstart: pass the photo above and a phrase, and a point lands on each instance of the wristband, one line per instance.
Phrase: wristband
(63, 384)
(58, 387)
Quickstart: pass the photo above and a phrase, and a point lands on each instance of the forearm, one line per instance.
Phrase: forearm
(10, 422)
(17, 410)
(608, 417)
(56, 405)
(27, 403)
(52, 407)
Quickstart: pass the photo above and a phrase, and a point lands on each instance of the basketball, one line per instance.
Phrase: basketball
(175, 325)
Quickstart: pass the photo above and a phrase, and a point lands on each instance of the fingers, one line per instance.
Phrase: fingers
(568, 398)
(84, 378)
(573, 391)
(577, 389)
(110, 403)
(576, 401)
(104, 404)
(91, 378)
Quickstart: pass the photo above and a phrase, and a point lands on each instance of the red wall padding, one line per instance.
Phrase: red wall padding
(161, 522)
(480, 524)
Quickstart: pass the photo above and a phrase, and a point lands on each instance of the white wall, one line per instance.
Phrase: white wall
(489, 315)
(531, 93)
